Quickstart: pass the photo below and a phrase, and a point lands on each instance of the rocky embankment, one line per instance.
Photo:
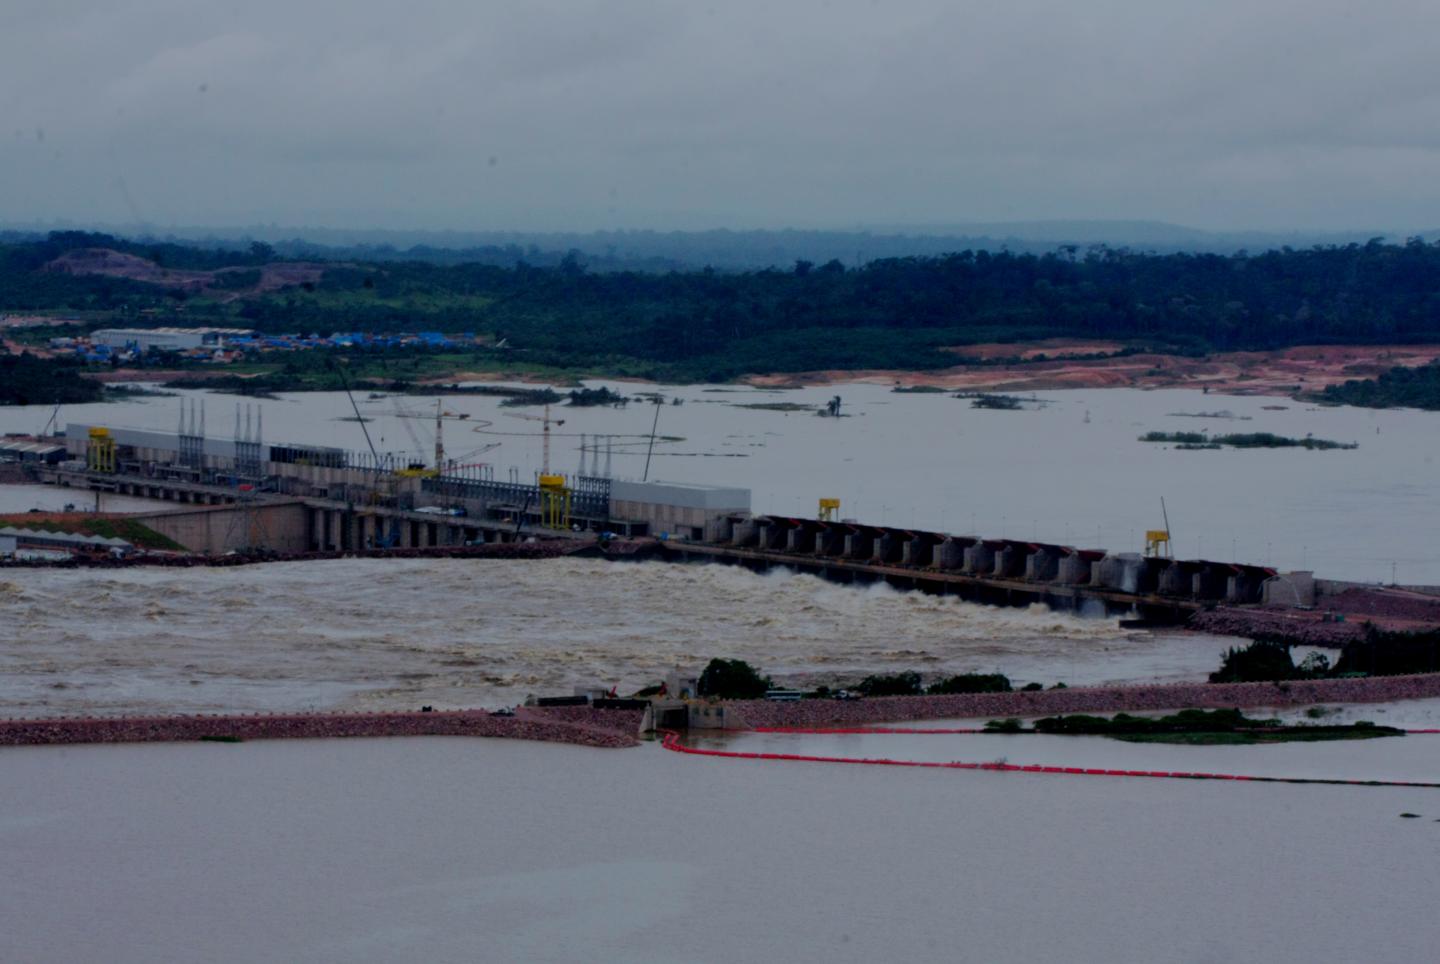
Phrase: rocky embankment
(753, 714)
(1336, 618)
(600, 728)
(1300, 629)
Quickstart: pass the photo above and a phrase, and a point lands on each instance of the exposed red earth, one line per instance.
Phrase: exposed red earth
(1285, 372)
(159, 374)
(117, 264)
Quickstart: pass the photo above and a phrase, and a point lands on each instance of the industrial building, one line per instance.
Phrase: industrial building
(190, 452)
(682, 509)
(166, 339)
(31, 450)
(15, 541)
(365, 500)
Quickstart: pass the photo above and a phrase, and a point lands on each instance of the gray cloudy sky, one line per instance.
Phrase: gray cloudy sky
(537, 115)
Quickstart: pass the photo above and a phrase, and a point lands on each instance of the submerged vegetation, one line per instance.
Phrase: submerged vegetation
(1196, 727)
(531, 396)
(1001, 403)
(1244, 440)
(595, 397)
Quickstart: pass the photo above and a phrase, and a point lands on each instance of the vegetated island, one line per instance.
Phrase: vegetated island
(1244, 440)
(1238, 321)
(1397, 388)
(999, 403)
(1194, 727)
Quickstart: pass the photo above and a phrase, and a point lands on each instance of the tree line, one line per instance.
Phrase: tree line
(893, 313)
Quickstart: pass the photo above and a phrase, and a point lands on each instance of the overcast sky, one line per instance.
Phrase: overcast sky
(533, 115)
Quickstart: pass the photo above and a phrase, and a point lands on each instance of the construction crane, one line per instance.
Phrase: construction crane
(547, 421)
(415, 466)
(462, 461)
(441, 416)
(385, 481)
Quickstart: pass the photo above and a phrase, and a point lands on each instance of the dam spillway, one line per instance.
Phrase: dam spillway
(995, 571)
(305, 500)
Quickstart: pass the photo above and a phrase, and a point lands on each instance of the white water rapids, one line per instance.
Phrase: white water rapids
(401, 633)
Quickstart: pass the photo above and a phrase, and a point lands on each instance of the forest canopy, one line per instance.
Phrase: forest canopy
(912, 313)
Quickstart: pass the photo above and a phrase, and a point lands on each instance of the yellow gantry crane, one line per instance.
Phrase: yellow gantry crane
(554, 502)
(554, 493)
(100, 454)
(1157, 541)
(829, 510)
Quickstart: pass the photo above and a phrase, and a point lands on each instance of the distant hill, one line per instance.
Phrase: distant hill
(729, 250)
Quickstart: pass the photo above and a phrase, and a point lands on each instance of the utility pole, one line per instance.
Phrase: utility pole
(439, 440)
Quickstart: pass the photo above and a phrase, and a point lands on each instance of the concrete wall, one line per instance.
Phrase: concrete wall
(219, 529)
(1290, 589)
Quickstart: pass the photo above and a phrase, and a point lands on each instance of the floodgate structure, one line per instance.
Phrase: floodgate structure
(233, 495)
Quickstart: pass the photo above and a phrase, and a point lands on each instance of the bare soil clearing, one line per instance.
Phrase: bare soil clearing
(117, 264)
(1284, 372)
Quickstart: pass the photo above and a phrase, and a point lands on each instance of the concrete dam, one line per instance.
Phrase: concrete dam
(221, 496)
(996, 571)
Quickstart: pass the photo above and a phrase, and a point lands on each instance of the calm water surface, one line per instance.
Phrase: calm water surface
(444, 850)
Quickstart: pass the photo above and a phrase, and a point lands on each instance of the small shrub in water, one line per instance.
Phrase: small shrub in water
(972, 683)
(732, 679)
(1261, 661)
(900, 684)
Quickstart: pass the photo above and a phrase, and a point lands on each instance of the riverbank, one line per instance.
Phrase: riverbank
(1027, 367)
(1046, 365)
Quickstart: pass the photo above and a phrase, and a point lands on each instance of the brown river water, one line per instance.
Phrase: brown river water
(363, 634)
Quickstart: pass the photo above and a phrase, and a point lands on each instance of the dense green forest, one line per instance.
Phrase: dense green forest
(1403, 387)
(895, 313)
(27, 380)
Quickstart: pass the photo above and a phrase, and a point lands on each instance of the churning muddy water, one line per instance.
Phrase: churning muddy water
(379, 633)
